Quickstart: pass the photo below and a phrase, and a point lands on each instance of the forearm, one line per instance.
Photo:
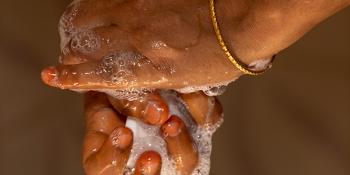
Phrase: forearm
(259, 29)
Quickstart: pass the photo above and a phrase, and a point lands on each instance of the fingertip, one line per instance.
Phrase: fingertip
(122, 137)
(156, 111)
(180, 145)
(149, 163)
(205, 110)
(49, 75)
(172, 127)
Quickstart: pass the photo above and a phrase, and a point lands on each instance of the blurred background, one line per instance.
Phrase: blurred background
(293, 120)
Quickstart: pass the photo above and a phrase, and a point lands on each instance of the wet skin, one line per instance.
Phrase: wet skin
(108, 142)
(123, 44)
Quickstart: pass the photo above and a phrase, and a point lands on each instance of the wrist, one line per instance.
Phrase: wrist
(242, 27)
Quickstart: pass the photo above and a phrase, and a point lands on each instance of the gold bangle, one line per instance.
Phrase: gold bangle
(241, 66)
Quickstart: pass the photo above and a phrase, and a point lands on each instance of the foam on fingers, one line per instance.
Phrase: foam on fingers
(184, 147)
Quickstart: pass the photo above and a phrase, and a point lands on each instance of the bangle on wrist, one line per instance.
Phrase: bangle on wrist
(237, 63)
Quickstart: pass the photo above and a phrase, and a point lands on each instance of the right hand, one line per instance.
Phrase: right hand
(139, 44)
(154, 44)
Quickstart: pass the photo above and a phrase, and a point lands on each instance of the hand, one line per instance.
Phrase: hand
(108, 142)
(139, 44)
(134, 44)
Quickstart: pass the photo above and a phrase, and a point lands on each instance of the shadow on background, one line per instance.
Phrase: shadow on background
(295, 119)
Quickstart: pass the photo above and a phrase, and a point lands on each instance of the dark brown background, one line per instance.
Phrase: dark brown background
(294, 120)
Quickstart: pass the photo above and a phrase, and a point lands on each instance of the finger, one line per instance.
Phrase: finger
(180, 145)
(112, 157)
(101, 120)
(117, 71)
(205, 110)
(107, 143)
(149, 163)
(100, 117)
(94, 101)
(151, 109)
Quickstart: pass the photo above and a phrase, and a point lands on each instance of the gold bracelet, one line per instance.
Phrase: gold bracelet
(233, 60)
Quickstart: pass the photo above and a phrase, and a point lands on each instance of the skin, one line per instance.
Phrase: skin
(205, 110)
(151, 109)
(107, 142)
(123, 44)
(171, 44)
(180, 145)
(149, 163)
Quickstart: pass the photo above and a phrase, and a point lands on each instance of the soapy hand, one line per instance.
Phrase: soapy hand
(154, 44)
(134, 45)
(108, 142)
(124, 44)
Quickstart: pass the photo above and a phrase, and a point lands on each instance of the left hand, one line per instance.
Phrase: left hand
(108, 142)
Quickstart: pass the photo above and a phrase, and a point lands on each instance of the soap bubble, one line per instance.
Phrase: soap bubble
(147, 137)
(210, 90)
(260, 64)
(128, 94)
(215, 90)
(121, 66)
(65, 27)
(85, 42)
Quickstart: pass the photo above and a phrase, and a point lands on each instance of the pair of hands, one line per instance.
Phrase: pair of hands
(108, 142)
(132, 45)
(153, 44)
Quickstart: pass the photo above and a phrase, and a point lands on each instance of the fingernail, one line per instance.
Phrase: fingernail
(48, 75)
(156, 113)
(149, 163)
(122, 137)
(172, 127)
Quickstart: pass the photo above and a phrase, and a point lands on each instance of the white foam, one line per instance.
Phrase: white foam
(215, 90)
(177, 107)
(85, 42)
(147, 137)
(121, 67)
(158, 45)
(128, 94)
(65, 27)
(203, 139)
(210, 89)
(260, 64)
